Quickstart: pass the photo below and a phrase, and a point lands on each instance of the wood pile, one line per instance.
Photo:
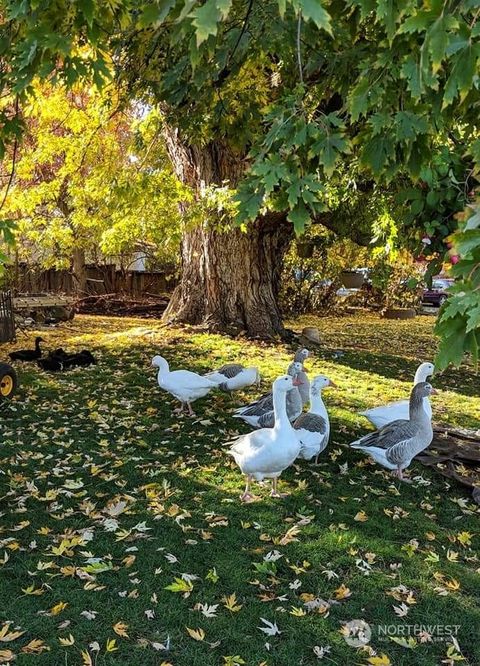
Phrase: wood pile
(148, 306)
(455, 453)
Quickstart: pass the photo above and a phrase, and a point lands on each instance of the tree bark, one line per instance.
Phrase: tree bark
(230, 279)
(79, 271)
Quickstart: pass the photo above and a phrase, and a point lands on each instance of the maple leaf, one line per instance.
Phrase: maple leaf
(180, 585)
(87, 659)
(342, 592)
(6, 635)
(382, 660)
(297, 612)
(6, 656)
(208, 611)
(230, 603)
(58, 608)
(361, 517)
(111, 645)
(401, 610)
(120, 628)
(270, 628)
(196, 634)
(66, 642)
(37, 646)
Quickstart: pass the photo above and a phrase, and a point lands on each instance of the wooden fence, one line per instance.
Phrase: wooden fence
(106, 279)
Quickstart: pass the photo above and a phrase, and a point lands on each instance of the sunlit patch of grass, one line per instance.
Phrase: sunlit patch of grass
(74, 445)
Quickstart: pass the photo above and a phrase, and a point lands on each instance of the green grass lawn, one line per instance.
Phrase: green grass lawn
(106, 500)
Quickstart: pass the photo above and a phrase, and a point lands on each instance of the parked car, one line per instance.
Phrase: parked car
(437, 295)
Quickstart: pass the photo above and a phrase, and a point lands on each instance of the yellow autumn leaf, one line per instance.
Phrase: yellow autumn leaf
(231, 604)
(111, 645)
(196, 634)
(69, 570)
(361, 517)
(37, 646)
(58, 608)
(121, 629)
(31, 589)
(382, 660)
(342, 592)
(452, 584)
(44, 531)
(297, 612)
(66, 641)
(87, 659)
(465, 538)
(6, 635)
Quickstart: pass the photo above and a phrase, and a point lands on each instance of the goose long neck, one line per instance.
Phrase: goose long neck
(421, 375)
(280, 409)
(416, 411)
(316, 403)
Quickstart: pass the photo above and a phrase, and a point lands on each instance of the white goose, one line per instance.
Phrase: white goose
(396, 444)
(233, 377)
(267, 452)
(260, 414)
(380, 416)
(313, 427)
(300, 356)
(184, 385)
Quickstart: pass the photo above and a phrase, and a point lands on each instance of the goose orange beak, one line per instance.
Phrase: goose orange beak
(332, 384)
(434, 392)
(297, 382)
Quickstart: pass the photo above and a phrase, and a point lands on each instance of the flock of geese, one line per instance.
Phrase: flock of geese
(284, 432)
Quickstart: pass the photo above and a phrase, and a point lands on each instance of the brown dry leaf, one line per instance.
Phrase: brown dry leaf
(6, 635)
(6, 656)
(121, 629)
(290, 535)
(361, 517)
(37, 646)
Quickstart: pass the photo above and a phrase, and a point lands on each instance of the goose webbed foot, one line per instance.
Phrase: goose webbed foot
(274, 492)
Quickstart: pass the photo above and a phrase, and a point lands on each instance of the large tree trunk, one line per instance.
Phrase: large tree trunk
(79, 271)
(230, 279)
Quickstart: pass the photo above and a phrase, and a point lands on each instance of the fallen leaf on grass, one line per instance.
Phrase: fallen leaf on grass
(6, 656)
(361, 517)
(231, 604)
(196, 634)
(121, 629)
(66, 642)
(37, 646)
(270, 628)
(6, 635)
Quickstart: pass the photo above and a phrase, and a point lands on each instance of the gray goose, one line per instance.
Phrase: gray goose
(313, 427)
(396, 444)
(260, 413)
(300, 357)
(233, 377)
